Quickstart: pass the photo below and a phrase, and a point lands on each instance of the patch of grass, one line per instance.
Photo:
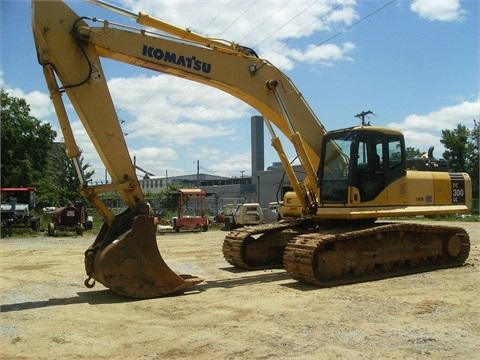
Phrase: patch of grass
(452, 218)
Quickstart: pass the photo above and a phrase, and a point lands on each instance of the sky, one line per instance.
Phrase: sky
(414, 64)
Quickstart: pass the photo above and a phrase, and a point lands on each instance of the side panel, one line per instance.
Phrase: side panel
(438, 188)
(417, 193)
(420, 188)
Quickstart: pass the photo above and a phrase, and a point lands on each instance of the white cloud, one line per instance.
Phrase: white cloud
(41, 106)
(264, 25)
(233, 19)
(441, 10)
(181, 133)
(423, 131)
(328, 53)
(172, 110)
(89, 153)
(206, 152)
(164, 98)
(155, 153)
(233, 165)
(152, 159)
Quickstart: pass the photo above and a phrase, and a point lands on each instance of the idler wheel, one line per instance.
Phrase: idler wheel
(454, 246)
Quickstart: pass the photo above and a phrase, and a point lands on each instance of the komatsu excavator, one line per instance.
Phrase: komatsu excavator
(354, 176)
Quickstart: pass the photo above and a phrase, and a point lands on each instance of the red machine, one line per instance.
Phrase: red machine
(192, 210)
(67, 218)
(72, 217)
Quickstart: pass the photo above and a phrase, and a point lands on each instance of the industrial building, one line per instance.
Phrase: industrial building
(264, 186)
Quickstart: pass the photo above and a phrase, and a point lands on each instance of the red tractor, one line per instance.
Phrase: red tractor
(70, 218)
(191, 210)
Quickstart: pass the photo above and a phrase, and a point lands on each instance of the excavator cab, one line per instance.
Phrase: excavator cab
(365, 158)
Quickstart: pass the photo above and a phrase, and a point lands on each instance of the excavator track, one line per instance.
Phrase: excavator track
(335, 257)
(336, 254)
(260, 246)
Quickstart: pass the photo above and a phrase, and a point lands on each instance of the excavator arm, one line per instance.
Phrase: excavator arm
(226, 66)
(124, 257)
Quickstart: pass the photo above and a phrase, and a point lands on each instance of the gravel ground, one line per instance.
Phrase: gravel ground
(47, 313)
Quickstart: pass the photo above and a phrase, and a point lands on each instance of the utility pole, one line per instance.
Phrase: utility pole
(198, 173)
(362, 116)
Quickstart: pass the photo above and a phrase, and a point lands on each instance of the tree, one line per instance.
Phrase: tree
(461, 151)
(457, 147)
(164, 201)
(61, 183)
(412, 153)
(473, 159)
(26, 142)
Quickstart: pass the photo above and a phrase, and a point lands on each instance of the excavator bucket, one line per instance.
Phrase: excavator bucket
(125, 258)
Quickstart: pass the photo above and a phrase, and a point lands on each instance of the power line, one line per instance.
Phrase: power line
(216, 16)
(263, 22)
(170, 78)
(342, 31)
(303, 29)
(238, 17)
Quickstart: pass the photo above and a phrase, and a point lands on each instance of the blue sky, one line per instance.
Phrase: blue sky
(415, 64)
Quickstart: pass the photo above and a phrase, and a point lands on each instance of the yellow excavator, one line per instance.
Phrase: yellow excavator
(354, 176)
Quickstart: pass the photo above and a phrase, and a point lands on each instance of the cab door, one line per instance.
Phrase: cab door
(378, 159)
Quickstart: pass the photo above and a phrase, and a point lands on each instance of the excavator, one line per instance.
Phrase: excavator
(335, 225)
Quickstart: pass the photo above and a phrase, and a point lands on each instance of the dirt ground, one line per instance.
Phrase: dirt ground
(47, 313)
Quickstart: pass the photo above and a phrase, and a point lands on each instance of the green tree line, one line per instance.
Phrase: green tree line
(30, 156)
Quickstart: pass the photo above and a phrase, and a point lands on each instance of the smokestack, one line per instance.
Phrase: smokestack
(257, 148)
